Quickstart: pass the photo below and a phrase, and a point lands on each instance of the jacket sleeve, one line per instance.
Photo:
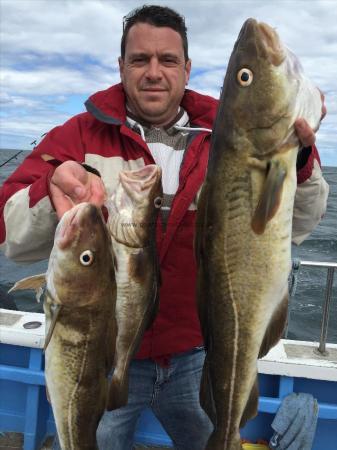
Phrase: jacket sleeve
(311, 195)
(27, 217)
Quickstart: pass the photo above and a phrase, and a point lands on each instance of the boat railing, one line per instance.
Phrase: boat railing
(330, 266)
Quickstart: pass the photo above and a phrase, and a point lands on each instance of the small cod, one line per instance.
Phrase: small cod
(133, 210)
(79, 305)
(244, 222)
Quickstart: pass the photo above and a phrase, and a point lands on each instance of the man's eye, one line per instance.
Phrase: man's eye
(169, 61)
(138, 60)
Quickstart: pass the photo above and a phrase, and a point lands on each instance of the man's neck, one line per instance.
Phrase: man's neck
(149, 125)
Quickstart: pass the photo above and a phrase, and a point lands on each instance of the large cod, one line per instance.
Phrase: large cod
(244, 222)
(80, 324)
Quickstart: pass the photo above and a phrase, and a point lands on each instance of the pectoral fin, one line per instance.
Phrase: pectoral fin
(200, 223)
(270, 197)
(55, 309)
(35, 282)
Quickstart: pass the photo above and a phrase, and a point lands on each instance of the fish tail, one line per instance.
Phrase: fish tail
(118, 391)
(217, 442)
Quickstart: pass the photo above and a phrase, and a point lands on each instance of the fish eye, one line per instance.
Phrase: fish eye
(158, 201)
(245, 77)
(87, 258)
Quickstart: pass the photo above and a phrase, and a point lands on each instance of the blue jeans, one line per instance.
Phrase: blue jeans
(173, 395)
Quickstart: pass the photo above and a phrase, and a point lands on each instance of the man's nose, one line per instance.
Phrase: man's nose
(154, 69)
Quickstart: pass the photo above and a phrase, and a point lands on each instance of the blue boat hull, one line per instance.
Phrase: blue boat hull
(25, 409)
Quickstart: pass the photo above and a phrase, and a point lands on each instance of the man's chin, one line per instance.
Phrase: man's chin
(154, 113)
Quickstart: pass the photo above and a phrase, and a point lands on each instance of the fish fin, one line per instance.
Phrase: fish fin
(110, 344)
(155, 289)
(56, 312)
(34, 282)
(200, 223)
(206, 394)
(250, 410)
(199, 249)
(153, 312)
(155, 303)
(118, 391)
(203, 308)
(275, 327)
(270, 197)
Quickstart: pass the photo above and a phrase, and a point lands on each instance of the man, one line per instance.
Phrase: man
(149, 117)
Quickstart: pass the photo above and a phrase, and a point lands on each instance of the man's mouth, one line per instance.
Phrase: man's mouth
(153, 90)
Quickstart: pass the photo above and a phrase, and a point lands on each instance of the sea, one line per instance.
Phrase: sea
(306, 304)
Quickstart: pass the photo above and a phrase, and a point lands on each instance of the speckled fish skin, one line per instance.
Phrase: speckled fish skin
(80, 351)
(133, 210)
(244, 223)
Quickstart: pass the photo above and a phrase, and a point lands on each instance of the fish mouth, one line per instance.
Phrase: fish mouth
(266, 39)
(140, 180)
(274, 48)
(73, 220)
(132, 206)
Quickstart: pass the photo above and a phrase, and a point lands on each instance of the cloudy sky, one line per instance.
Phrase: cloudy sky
(55, 53)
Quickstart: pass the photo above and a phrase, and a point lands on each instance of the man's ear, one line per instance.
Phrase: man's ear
(121, 67)
(188, 67)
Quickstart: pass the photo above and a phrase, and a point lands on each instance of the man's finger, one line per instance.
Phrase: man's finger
(70, 184)
(98, 192)
(62, 202)
(305, 133)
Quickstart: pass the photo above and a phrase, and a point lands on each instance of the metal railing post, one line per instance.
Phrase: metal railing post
(326, 311)
(321, 349)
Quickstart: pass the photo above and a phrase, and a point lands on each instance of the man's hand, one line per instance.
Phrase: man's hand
(72, 184)
(304, 132)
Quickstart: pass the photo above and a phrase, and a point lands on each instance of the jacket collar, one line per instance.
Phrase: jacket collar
(109, 106)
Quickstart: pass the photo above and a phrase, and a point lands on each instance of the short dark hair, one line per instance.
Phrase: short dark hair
(159, 16)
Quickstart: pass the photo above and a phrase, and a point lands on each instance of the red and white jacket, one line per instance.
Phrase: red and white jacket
(101, 139)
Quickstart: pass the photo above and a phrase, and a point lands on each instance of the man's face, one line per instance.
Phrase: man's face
(154, 72)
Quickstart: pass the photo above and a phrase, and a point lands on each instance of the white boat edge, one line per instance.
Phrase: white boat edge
(13, 332)
(289, 358)
(300, 359)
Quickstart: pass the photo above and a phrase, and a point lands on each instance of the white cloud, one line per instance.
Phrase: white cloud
(56, 80)
(62, 27)
(61, 48)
